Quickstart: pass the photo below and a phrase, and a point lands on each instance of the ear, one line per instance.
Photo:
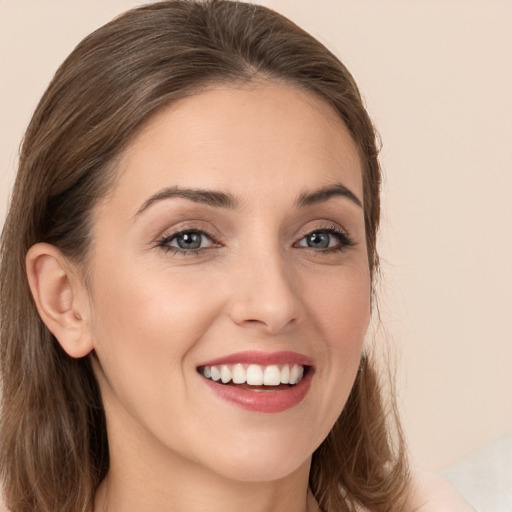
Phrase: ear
(61, 298)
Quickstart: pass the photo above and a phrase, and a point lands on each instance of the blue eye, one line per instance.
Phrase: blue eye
(185, 241)
(326, 239)
(189, 240)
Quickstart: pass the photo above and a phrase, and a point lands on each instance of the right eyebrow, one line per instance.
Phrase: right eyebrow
(209, 197)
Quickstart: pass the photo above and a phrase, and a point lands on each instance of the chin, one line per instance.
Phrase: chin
(261, 469)
(264, 456)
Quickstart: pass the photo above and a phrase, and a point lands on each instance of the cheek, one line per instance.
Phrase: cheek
(144, 326)
(144, 330)
(340, 307)
(160, 307)
(340, 312)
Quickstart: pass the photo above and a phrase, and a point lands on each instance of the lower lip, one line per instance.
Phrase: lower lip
(263, 400)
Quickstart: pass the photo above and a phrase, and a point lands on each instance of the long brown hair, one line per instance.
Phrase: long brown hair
(53, 442)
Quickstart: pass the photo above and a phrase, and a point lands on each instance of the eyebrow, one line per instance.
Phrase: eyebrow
(209, 197)
(226, 200)
(326, 193)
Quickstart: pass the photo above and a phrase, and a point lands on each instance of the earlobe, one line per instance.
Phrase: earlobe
(59, 297)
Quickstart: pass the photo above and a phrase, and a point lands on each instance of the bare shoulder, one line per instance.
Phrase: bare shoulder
(430, 493)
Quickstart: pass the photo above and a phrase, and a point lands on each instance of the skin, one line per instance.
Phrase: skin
(150, 315)
(254, 288)
(430, 493)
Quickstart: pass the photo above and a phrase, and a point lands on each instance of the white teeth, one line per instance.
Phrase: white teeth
(285, 374)
(225, 374)
(271, 376)
(296, 374)
(239, 374)
(215, 373)
(255, 374)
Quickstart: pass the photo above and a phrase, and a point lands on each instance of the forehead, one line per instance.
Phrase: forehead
(256, 137)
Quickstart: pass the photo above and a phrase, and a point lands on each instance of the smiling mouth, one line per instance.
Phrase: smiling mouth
(255, 376)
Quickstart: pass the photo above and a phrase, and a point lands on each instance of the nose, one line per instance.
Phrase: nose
(265, 294)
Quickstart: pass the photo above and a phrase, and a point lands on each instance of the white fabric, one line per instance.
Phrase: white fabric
(484, 478)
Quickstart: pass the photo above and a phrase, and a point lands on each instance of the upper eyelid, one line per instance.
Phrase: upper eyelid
(171, 236)
(340, 232)
(189, 226)
(164, 239)
(197, 229)
(185, 230)
(326, 226)
(206, 228)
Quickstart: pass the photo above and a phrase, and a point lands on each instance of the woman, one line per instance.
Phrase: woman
(191, 241)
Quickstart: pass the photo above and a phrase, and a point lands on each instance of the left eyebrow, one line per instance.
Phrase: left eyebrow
(326, 193)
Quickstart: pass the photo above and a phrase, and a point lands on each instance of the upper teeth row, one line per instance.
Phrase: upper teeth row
(255, 374)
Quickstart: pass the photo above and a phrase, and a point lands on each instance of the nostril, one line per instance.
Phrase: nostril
(265, 302)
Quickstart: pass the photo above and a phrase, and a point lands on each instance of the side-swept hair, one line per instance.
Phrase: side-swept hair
(53, 441)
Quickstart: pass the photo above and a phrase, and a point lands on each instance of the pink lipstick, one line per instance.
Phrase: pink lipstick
(259, 381)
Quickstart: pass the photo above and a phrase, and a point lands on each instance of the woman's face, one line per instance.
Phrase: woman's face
(232, 246)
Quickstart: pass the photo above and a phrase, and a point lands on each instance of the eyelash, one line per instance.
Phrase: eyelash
(345, 241)
(166, 239)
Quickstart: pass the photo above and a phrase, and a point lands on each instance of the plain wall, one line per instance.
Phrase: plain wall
(436, 76)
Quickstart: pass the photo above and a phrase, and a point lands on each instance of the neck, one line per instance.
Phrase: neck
(113, 496)
(175, 491)
(145, 476)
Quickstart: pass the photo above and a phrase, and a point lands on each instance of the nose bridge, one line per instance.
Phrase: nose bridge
(265, 288)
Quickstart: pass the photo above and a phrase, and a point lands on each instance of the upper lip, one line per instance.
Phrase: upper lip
(261, 358)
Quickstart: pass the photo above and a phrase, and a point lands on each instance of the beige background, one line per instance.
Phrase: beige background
(437, 76)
